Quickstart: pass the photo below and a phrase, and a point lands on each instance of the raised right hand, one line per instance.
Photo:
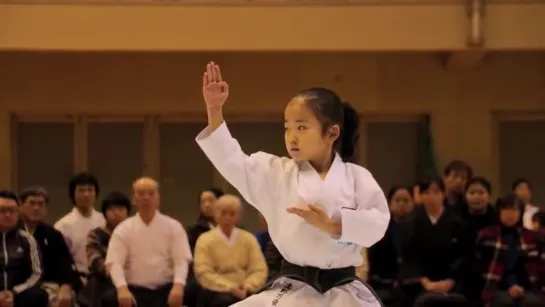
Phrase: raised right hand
(124, 297)
(214, 90)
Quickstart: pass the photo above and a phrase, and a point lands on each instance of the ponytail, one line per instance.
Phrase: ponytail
(349, 133)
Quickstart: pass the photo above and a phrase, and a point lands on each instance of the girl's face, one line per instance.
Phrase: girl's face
(207, 203)
(401, 203)
(477, 196)
(303, 133)
(510, 216)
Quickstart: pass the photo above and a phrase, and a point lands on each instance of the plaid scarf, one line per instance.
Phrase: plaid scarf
(492, 253)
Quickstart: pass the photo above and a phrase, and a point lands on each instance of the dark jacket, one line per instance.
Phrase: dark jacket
(19, 261)
(57, 263)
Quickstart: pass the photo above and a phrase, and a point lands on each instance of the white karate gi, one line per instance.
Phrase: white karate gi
(272, 184)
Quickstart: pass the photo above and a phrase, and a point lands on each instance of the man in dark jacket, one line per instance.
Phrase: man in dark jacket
(21, 265)
(59, 276)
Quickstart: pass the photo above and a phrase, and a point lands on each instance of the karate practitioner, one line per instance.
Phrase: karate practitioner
(321, 209)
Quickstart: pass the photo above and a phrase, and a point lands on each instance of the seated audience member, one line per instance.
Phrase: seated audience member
(273, 258)
(204, 223)
(76, 225)
(21, 266)
(523, 190)
(385, 256)
(148, 255)
(58, 275)
(431, 251)
(476, 215)
(509, 259)
(455, 177)
(538, 223)
(229, 264)
(116, 207)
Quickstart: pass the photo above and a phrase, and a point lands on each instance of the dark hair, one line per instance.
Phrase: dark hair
(393, 190)
(458, 166)
(34, 192)
(520, 181)
(9, 195)
(330, 110)
(510, 201)
(425, 184)
(82, 179)
(480, 181)
(116, 199)
(539, 217)
(217, 192)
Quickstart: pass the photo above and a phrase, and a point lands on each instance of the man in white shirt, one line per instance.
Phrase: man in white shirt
(76, 225)
(148, 255)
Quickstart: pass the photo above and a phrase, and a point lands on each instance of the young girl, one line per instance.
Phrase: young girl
(320, 208)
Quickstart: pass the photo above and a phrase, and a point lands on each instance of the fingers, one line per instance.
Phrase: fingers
(224, 87)
(210, 72)
(298, 211)
(218, 73)
(315, 208)
(205, 79)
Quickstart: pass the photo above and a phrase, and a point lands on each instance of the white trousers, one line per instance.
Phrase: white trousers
(291, 293)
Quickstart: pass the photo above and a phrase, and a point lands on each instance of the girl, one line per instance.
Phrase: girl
(320, 208)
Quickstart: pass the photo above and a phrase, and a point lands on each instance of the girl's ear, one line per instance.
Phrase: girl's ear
(334, 132)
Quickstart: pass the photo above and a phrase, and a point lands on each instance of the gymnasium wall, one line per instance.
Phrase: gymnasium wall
(138, 113)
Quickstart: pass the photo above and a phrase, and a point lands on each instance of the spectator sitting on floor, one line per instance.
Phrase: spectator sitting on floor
(59, 277)
(116, 207)
(510, 261)
(229, 264)
(21, 266)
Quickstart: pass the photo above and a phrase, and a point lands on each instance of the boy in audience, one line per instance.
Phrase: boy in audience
(59, 276)
(431, 251)
(509, 259)
(455, 178)
(116, 207)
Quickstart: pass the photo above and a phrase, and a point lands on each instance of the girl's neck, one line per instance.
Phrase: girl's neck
(323, 165)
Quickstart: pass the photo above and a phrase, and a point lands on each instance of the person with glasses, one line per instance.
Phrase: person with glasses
(21, 266)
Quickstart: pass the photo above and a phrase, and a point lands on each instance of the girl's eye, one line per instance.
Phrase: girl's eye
(301, 128)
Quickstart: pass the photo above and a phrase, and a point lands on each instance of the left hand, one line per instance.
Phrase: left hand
(176, 295)
(64, 298)
(314, 215)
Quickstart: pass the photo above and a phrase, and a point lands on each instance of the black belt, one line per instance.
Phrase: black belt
(322, 280)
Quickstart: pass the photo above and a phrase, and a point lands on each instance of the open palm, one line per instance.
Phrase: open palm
(214, 90)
